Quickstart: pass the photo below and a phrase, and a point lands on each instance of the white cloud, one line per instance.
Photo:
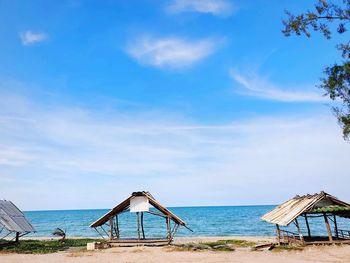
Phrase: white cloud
(30, 38)
(86, 153)
(214, 7)
(260, 87)
(170, 52)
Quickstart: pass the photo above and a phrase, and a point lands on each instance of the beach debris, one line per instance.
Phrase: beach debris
(225, 247)
(93, 245)
(97, 245)
(58, 232)
(263, 247)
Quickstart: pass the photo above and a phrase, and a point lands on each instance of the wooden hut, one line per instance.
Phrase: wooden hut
(139, 203)
(13, 223)
(306, 207)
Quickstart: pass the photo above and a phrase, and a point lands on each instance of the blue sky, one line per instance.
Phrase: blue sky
(199, 102)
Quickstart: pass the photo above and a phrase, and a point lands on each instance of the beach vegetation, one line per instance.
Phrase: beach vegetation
(44, 246)
(191, 247)
(219, 245)
(287, 247)
(232, 242)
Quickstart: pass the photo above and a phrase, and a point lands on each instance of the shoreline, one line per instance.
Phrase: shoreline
(257, 239)
(172, 254)
(177, 239)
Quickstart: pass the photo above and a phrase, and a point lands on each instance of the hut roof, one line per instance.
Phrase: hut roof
(321, 202)
(124, 205)
(13, 219)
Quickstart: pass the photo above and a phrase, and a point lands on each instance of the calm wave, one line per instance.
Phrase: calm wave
(204, 221)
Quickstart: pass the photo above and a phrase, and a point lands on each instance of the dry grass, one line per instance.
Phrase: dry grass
(82, 253)
(219, 245)
(233, 242)
(282, 248)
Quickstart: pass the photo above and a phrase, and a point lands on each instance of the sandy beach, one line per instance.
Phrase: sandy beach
(172, 254)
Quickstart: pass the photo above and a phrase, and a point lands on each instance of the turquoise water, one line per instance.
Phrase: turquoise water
(204, 221)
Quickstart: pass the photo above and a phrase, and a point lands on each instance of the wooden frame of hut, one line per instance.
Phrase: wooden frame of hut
(108, 225)
(305, 207)
(13, 223)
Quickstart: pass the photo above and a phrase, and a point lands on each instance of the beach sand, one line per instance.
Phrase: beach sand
(171, 254)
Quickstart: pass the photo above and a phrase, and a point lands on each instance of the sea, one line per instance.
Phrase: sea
(203, 221)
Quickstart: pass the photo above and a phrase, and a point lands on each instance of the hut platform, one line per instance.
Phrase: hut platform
(131, 242)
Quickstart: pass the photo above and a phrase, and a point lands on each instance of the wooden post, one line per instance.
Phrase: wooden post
(169, 229)
(278, 234)
(336, 227)
(17, 237)
(117, 225)
(138, 225)
(143, 230)
(175, 229)
(111, 228)
(299, 231)
(307, 225)
(328, 227)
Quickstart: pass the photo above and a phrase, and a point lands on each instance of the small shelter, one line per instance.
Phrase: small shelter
(139, 203)
(13, 221)
(309, 206)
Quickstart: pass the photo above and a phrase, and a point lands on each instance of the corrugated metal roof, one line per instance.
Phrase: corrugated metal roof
(123, 206)
(13, 219)
(285, 213)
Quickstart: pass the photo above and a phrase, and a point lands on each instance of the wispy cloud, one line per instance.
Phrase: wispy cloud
(170, 51)
(30, 38)
(261, 87)
(89, 152)
(214, 7)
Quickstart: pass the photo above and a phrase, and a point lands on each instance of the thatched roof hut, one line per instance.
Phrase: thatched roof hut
(310, 206)
(13, 221)
(139, 203)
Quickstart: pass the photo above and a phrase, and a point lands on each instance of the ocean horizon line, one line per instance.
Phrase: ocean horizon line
(169, 207)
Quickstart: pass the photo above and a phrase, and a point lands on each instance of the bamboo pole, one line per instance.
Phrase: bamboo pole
(278, 234)
(328, 227)
(169, 229)
(111, 228)
(104, 231)
(138, 225)
(99, 232)
(299, 231)
(307, 225)
(336, 226)
(117, 225)
(173, 233)
(157, 214)
(143, 230)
